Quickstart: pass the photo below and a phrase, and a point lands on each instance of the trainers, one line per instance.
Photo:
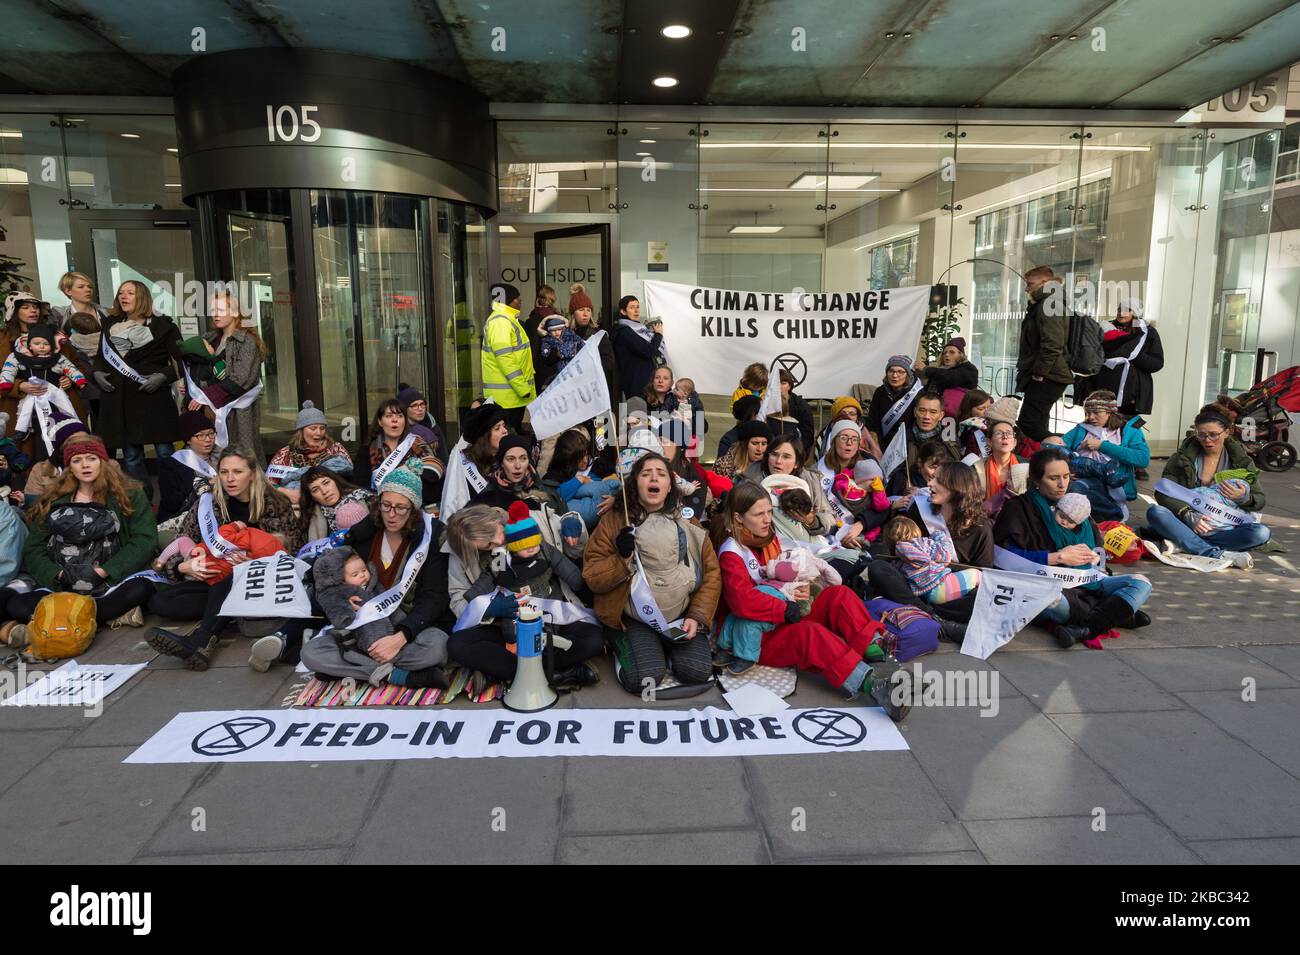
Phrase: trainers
(265, 652)
(379, 675)
(132, 618)
(1240, 559)
(736, 666)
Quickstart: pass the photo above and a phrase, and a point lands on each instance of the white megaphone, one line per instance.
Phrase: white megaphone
(529, 690)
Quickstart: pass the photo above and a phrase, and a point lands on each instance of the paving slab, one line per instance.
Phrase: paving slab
(85, 806)
(920, 858)
(253, 806)
(1284, 658)
(274, 857)
(480, 811)
(1204, 668)
(851, 804)
(729, 847)
(1071, 840)
(1249, 851)
(25, 749)
(1015, 764)
(1199, 781)
(656, 794)
(153, 697)
(1081, 681)
(1267, 725)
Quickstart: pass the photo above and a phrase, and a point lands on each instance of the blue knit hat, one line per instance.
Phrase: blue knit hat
(404, 482)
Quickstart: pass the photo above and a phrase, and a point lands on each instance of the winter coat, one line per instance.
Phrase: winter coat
(137, 542)
(178, 487)
(1042, 347)
(1019, 526)
(802, 413)
(1181, 469)
(567, 583)
(1132, 452)
(426, 604)
(962, 375)
(825, 523)
(609, 574)
(130, 416)
(636, 358)
(334, 597)
(1139, 390)
(10, 400)
(606, 349)
(333, 456)
(881, 402)
(243, 373)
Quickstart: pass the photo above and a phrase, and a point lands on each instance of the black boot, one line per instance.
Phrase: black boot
(426, 678)
(1140, 619)
(193, 648)
(575, 677)
(953, 631)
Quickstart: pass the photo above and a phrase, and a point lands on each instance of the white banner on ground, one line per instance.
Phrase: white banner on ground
(578, 394)
(1004, 605)
(1068, 576)
(75, 684)
(556, 612)
(268, 587)
(1206, 565)
(320, 735)
(832, 339)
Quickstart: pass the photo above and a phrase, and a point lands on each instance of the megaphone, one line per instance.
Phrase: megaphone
(529, 690)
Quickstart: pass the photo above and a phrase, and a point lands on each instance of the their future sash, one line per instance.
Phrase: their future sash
(560, 612)
(118, 363)
(195, 463)
(210, 529)
(1202, 504)
(1068, 576)
(395, 457)
(899, 407)
(382, 605)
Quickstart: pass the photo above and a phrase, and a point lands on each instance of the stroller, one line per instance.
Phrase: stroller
(1263, 423)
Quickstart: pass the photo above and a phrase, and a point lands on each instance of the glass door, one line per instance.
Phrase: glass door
(153, 247)
(576, 254)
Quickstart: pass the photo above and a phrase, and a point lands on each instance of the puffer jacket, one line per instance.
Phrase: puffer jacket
(609, 575)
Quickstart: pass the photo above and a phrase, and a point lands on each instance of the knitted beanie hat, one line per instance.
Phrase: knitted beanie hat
(404, 482)
(866, 469)
(95, 447)
(309, 415)
(578, 298)
(845, 401)
(899, 361)
(41, 330)
(192, 422)
(1101, 400)
(409, 394)
(1004, 409)
(753, 429)
(522, 531)
(1075, 507)
(841, 427)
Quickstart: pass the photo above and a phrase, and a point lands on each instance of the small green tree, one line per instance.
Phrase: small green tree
(940, 325)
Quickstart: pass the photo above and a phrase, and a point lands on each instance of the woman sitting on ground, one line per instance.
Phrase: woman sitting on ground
(680, 573)
(422, 423)
(332, 504)
(993, 471)
(972, 426)
(836, 637)
(750, 447)
(187, 472)
(783, 456)
(1107, 450)
(1215, 464)
(87, 534)
(1033, 527)
(241, 496)
(309, 447)
(389, 538)
(497, 556)
(843, 408)
(390, 433)
(513, 478)
(568, 479)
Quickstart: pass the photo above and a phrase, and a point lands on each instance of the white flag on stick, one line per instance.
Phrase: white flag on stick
(578, 394)
(771, 405)
(1004, 603)
(896, 453)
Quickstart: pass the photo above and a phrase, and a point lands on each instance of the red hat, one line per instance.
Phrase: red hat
(95, 447)
(578, 298)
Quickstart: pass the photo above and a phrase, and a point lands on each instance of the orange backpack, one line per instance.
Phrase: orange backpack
(62, 626)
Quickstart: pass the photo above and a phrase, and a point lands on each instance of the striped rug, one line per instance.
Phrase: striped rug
(328, 694)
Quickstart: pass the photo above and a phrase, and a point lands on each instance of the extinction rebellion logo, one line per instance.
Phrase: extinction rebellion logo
(233, 736)
(830, 728)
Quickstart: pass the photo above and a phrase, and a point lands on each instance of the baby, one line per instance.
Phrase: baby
(794, 515)
(527, 567)
(925, 562)
(560, 343)
(862, 490)
(1072, 510)
(35, 358)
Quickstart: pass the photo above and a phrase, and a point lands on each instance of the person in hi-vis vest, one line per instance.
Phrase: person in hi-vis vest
(507, 357)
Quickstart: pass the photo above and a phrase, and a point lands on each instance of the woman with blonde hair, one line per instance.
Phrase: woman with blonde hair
(133, 369)
(240, 496)
(82, 320)
(89, 532)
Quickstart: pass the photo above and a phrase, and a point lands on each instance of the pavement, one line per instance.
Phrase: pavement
(1174, 744)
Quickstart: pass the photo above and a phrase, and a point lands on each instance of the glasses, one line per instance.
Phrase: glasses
(206, 434)
(1210, 435)
(1004, 435)
(394, 508)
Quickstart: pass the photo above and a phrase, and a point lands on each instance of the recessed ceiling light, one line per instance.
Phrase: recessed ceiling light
(172, 149)
(755, 229)
(643, 154)
(676, 31)
(811, 180)
(648, 142)
(130, 135)
(664, 82)
(171, 185)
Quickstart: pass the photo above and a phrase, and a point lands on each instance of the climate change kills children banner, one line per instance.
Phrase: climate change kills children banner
(833, 339)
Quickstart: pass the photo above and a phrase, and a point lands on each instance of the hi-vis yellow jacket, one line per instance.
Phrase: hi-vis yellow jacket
(507, 359)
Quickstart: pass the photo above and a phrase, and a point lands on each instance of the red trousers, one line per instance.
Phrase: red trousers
(831, 640)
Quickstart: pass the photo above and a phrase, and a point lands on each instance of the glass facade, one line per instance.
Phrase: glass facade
(1186, 220)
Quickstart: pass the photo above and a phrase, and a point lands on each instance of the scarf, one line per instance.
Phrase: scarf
(767, 548)
(893, 394)
(920, 435)
(1062, 537)
(387, 575)
(518, 489)
(993, 474)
